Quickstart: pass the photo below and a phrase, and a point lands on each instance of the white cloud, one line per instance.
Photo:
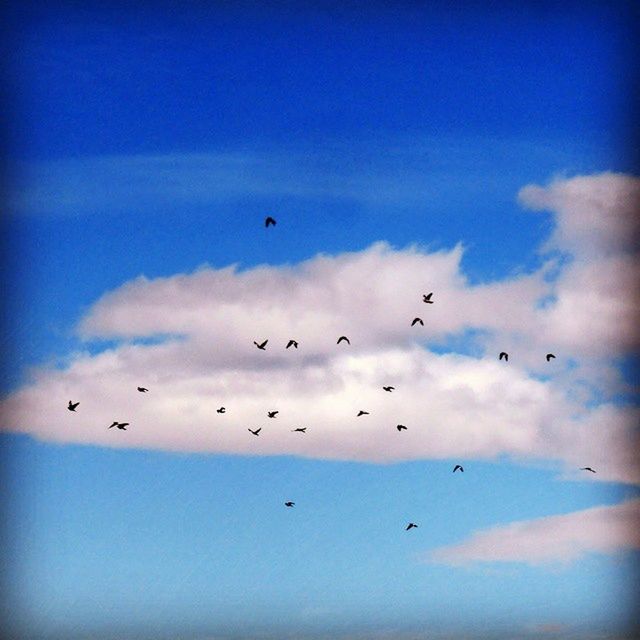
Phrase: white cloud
(552, 539)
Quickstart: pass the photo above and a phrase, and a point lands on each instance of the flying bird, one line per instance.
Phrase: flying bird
(289, 504)
(400, 427)
(292, 343)
(341, 338)
(256, 432)
(587, 469)
(72, 405)
(549, 356)
(272, 414)
(220, 410)
(119, 425)
(427, 298)
(300, 429)
(389, 389)
(269, 221)
(411, 526)
(416, 321)
(362, 413)
(142, 389)
(261, 346)
(505, 355)
(458, 466)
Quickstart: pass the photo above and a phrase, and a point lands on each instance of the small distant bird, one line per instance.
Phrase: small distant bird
(119, 425)
(549, 356)
(505, 355)
(341, 338)
(289, 504)
(72, 405)
(272, 414)
(300, 429)
(416, 321)
(256, 432)
(458, 466)
(587, 469)
(269, 221)
(427, 298)
(292, 343)
(389, 389)
(400, 427)
(261, 346)
(362, 413)
(411, 526)
(142, 389)
(220, 410)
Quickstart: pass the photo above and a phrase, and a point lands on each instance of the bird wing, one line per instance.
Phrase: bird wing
(264, 344)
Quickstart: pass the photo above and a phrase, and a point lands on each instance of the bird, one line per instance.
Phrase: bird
(341, 338)
(505, 355)
(261, 346)
(72, 405)
(458, 466)
(119, 425)
(400, 427)
(389, 389)
(272, 414)
(587, 469)
(417, 320)
(427, 298)
(289, 504)
(292, 343)
(269, 221)
(549, 356)
(142, 389)
(362, 413)
(256, 432)
(220, 410)
(300, 429)
(411, 525)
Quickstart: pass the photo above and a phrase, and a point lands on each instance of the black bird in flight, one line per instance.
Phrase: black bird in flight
(142, 389)
(256, 432)
(458, 466)
(289, 504)
(341, 338)
(362, 413)
(220, 410)
(119, 425)
(292, 343)
(300, 429)
(400, 427)
(505, 355)
(261, 346)
(549, 356)
(389, 389)
(269, 221)
(427, 298)
(72, 405)
(416, 320)
(411, 526)
(272, 414)
(587, 469)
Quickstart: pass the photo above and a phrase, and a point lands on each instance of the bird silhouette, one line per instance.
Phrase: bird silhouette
(269, 221)
(292, 343)
(72, 405)
(119, 425)
(549, 356)
(389, 389)
(261, 346)
(272, 414)
(300, 430)
(458, 466)
(341, 338)
(505, 355)
(587, 469)
(411, 525)
(256, 432)
(220, 410)
(362, 413)
(289, 504)
(416, 321)
(400, 427)
(142, 389)
(427, 298)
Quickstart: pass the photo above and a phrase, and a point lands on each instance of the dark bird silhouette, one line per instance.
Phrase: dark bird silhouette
(300, 429)
(142, 389)
(220, 410)
(411, 526)
(549, 356)
(72, 405)
(587, 469)
(272, 414)
(269, 221)
(505, 355)
(289, 504)
(341, 338)
(261, 346)
(458, 466)
(427, 298)
(119, 425)
(416, 321)
(256, 432)
(292, 343)
(389, 389)
(400, 427)
(362, 413)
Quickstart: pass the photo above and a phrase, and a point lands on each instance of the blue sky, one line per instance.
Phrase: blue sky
(152, 142)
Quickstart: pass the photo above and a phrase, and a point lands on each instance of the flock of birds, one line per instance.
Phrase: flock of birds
(262, 346)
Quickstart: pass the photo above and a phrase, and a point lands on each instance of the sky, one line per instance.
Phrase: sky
(485, 154)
